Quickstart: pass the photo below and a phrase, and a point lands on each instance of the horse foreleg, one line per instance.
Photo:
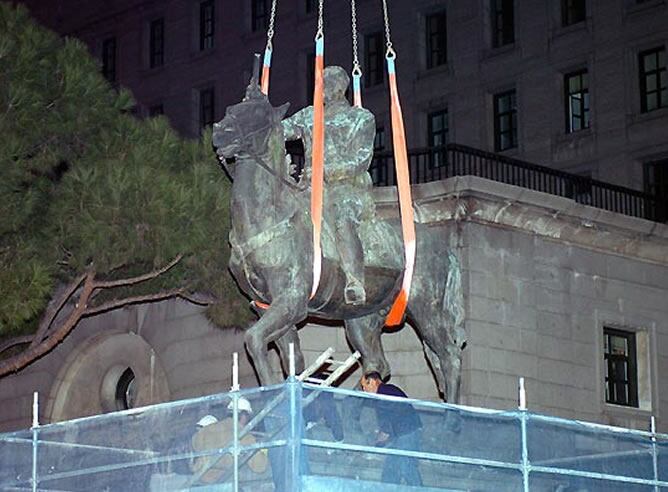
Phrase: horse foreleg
(283, 345)
(364, 335)
(276, 322)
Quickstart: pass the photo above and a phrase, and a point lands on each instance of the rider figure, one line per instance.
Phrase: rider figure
(349, 135)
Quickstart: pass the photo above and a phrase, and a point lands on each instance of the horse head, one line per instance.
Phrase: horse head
(248, 125)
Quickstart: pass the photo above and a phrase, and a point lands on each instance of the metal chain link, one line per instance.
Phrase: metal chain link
(388, 40)
(270, 31)
(356, 62)
(321, 29)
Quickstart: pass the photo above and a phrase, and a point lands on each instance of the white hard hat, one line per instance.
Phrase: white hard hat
(243, 405)
(207, 420)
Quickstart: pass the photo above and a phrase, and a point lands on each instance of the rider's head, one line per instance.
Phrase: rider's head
(336, 83)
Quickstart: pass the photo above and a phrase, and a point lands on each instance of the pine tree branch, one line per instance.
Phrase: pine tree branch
(81, 309)
(19, 361)
(141, 278)
(53, 311)
(12, 342)
(117, 303)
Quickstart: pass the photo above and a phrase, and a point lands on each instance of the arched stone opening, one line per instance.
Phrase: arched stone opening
(108, 372)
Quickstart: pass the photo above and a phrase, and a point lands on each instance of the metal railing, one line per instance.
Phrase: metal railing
(437, 163)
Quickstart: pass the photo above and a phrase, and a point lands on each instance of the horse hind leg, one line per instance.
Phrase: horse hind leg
(364, 336)
(283, 345)
(443, 343)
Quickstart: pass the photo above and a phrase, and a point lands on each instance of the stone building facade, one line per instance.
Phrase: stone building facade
(579, 85)
(546, 281)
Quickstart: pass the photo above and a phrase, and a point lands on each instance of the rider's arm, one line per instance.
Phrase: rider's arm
(293, 126)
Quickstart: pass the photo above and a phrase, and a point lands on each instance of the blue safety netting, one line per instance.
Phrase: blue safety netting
(303, 437)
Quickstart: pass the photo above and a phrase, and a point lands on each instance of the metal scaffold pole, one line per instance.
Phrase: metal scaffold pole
(523, 422)
(35, 426)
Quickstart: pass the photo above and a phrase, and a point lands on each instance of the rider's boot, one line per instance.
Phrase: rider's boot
(352, 263)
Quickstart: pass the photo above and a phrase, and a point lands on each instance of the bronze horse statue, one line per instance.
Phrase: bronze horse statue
(272, 258)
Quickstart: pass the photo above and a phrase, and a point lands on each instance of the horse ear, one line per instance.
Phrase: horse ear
(281, 111)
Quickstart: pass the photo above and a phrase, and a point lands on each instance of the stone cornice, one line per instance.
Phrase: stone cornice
(473, 199)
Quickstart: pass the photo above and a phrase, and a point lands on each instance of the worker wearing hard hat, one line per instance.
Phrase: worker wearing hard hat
(214, 434)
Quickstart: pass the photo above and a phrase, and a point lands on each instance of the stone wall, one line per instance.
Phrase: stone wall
(542, 276)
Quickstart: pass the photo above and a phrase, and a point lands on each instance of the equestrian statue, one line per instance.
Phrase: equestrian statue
(363, 261)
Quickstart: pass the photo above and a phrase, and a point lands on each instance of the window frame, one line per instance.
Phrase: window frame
(207, 24)
(310, 6)
(584, 101)
(631, 399)
(109, 57)
(376, 58)
(513, 121)
(661, 91)
(573, 12)
(656, 183)
(436, 56)
(259, 20)
(502, 22)
(204, 106)
(156, 43)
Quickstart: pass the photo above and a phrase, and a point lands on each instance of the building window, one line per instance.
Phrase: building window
(379, 139)
(437, 128)
(259, 17)
(437, 40)
(653, 83)
(109, 59)
(503, 22)
(206, 108)
(656, 183)
(374, 59)
(573, 11)
(310, 6)
(157, 43)
(576, 87)
(207, 24)
(505, 121)
(621, 373)
(156, 110)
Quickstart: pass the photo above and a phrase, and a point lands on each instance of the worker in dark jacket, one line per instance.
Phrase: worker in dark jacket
(399, 428)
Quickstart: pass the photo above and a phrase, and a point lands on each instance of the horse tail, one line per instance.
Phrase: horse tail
(453, 298)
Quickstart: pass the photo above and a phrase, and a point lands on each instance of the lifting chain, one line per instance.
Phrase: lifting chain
(270, 31)
(321, 27)
(357, 69)
(389, 53)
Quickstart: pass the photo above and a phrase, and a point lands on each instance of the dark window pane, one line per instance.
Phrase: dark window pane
(621, 367)
(437, 127)
(206, 108)
(109, 59)
(207, 25)
(503, 22)
(259, 17)
(374, 59)
(156, 110)
(157, 43)
(573, 11)
(436, 39)
(576, 101)
(505, 121)
(652, 67)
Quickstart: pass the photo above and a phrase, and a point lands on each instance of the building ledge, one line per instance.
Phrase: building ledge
(479, 200)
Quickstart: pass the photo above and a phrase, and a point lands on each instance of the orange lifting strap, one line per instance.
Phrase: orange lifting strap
(396, 314)
(318, 155)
